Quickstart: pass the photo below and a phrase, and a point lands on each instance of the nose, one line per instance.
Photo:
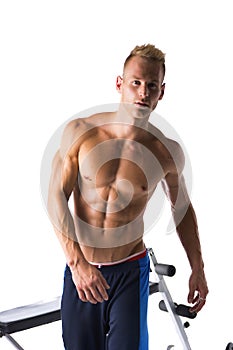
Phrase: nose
(143, 91)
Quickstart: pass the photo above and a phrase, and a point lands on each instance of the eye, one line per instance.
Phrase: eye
(136, 82)
(152, 86)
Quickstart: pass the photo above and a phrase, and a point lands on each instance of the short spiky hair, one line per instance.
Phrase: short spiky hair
(147, 51)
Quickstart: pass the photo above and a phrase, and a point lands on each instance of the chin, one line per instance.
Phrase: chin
(137, 112)
(141, 112)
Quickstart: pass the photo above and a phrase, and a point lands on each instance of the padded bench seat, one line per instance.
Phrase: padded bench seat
(29, 316)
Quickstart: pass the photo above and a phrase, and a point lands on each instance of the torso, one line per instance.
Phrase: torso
(116, 179)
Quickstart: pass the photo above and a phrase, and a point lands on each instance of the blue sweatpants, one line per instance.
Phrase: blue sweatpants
(118, 323)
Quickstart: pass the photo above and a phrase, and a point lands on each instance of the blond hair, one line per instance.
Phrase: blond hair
(147, 51)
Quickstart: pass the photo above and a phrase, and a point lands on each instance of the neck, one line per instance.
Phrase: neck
(131, 121)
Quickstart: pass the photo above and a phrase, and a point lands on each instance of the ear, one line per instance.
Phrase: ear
(119, 81)
(162, 91)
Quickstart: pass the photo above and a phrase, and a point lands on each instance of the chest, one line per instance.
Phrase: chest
(126, 162)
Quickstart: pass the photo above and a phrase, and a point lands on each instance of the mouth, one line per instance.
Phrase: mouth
(141, 104)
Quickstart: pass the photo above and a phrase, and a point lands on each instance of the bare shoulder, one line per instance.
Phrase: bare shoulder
(80, 129)
(170, 149)
(82, 125)
(75, 128)
(72, 136)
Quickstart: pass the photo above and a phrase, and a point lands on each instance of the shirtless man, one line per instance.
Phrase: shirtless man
(112, 163)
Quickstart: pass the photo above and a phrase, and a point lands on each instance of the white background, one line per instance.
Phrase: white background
(62, 57)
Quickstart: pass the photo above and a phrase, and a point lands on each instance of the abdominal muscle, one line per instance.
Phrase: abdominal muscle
(108, 237)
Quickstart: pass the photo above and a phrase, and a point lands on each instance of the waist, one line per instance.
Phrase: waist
(132, 257)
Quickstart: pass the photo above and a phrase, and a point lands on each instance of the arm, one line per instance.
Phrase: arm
(90, 283)
(60, 216)
(187, 229)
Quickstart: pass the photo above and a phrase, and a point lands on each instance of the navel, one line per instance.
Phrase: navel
(87, 178)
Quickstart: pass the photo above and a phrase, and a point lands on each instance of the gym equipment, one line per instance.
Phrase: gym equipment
(28, 316)
(44, 312)
(167, 303)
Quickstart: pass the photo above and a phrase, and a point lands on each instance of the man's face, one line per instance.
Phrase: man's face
(141, 85)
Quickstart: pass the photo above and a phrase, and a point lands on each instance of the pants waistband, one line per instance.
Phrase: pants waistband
(133, 257)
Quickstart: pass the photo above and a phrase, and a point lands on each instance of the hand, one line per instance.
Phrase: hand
(198, 290)
(90, 283)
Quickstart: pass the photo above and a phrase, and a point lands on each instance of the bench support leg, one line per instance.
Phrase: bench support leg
(13, 341)
(170, 306)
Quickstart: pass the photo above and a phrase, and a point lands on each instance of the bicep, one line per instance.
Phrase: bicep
(174, 183)
(69, 174)
(176, 191)
(65, 163)
(63, 175)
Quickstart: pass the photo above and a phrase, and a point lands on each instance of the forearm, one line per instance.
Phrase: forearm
(187, 229)
(71, 249)
(64, 228)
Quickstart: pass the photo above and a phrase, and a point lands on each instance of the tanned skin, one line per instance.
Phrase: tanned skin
(112, 163)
